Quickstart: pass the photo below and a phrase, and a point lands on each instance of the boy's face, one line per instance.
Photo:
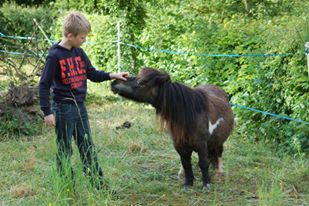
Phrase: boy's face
(78, 40)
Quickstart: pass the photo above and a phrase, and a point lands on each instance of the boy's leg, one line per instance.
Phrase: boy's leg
(86, 147)
(64, 131)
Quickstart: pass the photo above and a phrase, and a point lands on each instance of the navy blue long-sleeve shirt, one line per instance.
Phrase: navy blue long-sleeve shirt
(66, 72)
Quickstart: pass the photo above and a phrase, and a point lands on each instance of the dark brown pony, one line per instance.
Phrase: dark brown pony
(197, 119)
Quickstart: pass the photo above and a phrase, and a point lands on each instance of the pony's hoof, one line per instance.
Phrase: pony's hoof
(186, 188)
(206, 188)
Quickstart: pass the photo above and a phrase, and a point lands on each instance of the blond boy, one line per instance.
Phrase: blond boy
(66, 71)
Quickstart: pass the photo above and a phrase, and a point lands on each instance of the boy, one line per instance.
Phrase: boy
(66, 71)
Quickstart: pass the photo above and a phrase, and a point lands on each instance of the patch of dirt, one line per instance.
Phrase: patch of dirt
(137, 148)
(29, 164)
(21, 191)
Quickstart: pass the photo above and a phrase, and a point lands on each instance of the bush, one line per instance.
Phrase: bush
(32, 2)
(15, 123)
(21, 22)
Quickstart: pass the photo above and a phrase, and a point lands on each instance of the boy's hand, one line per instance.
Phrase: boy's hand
(121, 76)
(49, 120)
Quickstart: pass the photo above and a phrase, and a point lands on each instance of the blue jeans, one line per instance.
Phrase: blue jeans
(72, 121)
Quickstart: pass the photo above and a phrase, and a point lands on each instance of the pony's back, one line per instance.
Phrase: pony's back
(219, 110)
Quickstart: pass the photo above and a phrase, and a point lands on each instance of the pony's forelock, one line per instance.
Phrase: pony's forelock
(153, 77)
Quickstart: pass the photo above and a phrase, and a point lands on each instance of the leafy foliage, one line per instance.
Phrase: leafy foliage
(11, 124)
(21, 22)
(30, 2)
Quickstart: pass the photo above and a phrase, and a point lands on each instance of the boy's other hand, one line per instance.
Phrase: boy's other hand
(49, 120)
(121, 76)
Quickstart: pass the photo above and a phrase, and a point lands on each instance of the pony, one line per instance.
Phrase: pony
(198, 119)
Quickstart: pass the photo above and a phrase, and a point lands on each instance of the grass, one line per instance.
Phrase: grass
(141, 165)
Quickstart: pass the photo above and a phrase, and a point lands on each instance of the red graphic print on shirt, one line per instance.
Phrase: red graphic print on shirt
(73, 71)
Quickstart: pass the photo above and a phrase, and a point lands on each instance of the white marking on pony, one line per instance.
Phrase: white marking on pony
(212, 127)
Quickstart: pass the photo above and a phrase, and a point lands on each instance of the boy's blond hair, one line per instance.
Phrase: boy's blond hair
(75, 23)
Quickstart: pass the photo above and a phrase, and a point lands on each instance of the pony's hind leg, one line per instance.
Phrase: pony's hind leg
(213, 157)
(181, 172)
(204, 165)
(219, 166)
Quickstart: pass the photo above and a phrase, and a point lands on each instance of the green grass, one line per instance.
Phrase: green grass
(141, 165)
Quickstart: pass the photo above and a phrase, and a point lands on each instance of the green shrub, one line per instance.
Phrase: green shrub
(32, 2)
(15, 122)
(21, 22)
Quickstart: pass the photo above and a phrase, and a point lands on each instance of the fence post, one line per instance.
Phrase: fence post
(38, 25)
(307, 53)
(118, 45)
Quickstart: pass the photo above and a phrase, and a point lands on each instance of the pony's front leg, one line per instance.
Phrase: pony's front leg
(185, 156)
(204, 165)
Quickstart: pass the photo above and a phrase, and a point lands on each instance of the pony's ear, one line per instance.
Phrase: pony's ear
(161, 79)
(158, 80)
